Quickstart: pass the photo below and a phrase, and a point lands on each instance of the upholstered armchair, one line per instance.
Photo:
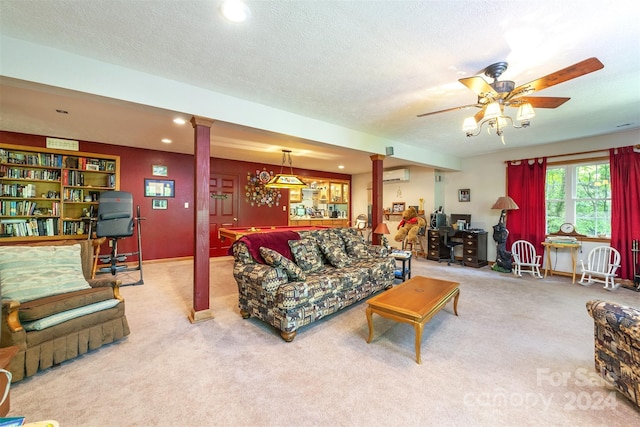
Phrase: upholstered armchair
(617, 346)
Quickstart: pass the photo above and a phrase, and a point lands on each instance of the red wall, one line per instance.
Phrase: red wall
(169, 233)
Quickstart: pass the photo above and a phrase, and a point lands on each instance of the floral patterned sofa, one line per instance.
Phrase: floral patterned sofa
(291, 279)
(617, 346)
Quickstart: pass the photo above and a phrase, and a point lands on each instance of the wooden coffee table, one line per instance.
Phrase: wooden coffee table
(415, 301)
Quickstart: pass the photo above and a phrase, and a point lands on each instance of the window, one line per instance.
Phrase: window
(579, 193)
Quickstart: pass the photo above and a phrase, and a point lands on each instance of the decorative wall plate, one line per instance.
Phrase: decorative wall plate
(264, 177)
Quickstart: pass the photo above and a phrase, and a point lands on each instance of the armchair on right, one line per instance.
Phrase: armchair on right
(617, 346)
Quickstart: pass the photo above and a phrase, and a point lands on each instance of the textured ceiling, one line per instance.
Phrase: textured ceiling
(371, 66)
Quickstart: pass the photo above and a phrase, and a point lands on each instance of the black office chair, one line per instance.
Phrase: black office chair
(446, 233)
(115, 221)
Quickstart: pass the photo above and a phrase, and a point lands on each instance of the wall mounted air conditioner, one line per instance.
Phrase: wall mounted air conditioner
(395, 175)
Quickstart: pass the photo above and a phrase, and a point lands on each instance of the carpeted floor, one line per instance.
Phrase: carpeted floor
(520, 353)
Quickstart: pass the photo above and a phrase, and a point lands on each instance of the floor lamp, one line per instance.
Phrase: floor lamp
(500, 234)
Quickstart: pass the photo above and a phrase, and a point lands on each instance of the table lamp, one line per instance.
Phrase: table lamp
(500, 233)
(382, 229)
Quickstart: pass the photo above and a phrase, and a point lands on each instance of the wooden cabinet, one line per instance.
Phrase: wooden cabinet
(474, 247)
(51, 193)
(338, 192)
(295, 195)
(435, 247)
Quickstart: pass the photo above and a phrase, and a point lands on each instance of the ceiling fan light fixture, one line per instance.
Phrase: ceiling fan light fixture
(469, 124)
(493, 111)
(525, 112)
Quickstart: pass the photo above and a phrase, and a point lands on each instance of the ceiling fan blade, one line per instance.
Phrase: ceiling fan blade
(538, 101)
(463, 107)
(480, 115)
(479, 86)
(576, 70)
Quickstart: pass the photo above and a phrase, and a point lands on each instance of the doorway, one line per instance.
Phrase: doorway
(223, 210)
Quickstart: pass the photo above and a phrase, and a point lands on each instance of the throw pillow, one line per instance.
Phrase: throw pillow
(276, 259)
(356, 246)
(306, 254)
(333, 248)
(31, 272)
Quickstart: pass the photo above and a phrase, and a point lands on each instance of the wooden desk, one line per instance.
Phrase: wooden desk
(574, 249)
(474, 247)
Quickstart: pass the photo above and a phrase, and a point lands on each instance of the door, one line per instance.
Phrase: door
(223, 210)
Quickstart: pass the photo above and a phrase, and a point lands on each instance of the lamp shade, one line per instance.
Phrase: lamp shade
(283, 180)
(492, 111)
(505, 203)
(469, 124)
(525, 112)
(381, 229)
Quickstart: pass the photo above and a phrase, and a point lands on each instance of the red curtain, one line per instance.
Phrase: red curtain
(526, 182)
(625, 204)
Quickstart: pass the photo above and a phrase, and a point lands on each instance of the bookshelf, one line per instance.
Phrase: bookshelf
(51, 194)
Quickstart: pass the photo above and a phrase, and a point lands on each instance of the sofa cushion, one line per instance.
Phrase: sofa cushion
(276, 259)
(333, 249)
(355, 245)
(319, 285)
(31, 272)
(306, 254)
(44, 307)
(56, 319)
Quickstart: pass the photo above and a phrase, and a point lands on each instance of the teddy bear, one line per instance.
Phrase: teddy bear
(410, 226)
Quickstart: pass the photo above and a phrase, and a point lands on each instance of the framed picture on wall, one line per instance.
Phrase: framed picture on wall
(159, 188)
(159, 203)
(397, 207)
(464, 195)
(159, 170)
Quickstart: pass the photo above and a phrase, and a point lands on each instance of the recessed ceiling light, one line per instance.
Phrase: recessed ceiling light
(235, 10)
(166, 140)
(179, 121)
(340, 166)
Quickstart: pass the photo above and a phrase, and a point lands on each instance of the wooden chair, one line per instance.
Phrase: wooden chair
(602, 262)
(525, 259)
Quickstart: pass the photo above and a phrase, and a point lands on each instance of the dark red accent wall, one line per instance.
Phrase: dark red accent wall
(169, 233)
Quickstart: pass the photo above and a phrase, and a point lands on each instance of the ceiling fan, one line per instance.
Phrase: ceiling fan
(493, 97)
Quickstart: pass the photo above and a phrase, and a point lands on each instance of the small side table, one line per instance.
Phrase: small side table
(404, 258)
(6, 354)
(573, 247)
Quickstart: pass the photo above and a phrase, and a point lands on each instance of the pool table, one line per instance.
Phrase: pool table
(234, 233)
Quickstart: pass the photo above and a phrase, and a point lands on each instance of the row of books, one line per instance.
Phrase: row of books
(39, 174)
(25, 208)
(19, 190)
(35, 159)
(30, 227)
(87, 163)
(55, 160)
(75, 227)
(77, 179)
